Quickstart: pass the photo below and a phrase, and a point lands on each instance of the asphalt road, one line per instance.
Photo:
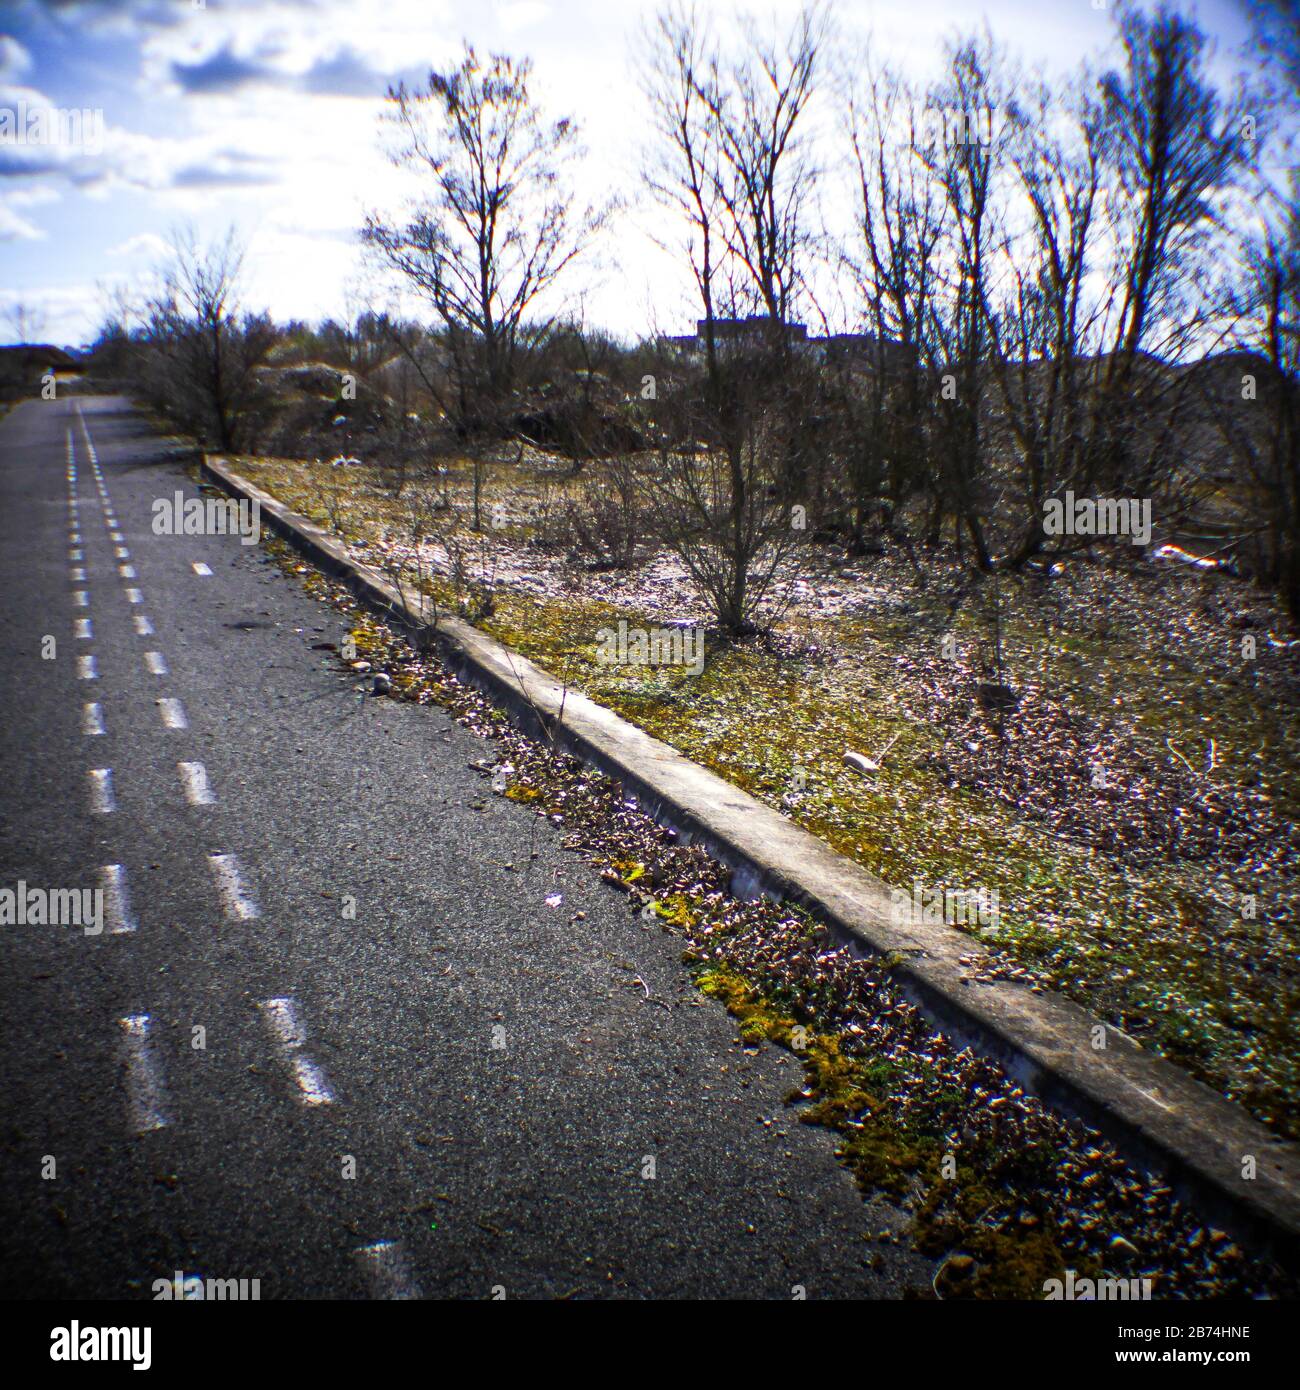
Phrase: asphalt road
(456, 1092)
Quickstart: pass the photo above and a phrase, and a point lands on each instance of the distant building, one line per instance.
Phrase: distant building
(861, 348)
(750, 329)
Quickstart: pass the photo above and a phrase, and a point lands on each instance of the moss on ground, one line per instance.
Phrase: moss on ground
(846, 1093)
(1157, 949)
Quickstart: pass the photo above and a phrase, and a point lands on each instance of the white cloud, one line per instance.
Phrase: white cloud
(14, 58)
(142, 244)
(32, 197)
(15, 227)
(523, 14)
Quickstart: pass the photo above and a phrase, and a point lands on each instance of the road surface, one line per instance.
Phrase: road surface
(450, 1093)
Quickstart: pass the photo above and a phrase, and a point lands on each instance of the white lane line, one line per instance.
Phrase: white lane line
(80, 599)
(126, 571)
(102, 801)
(143, 627)
(387, 1270)
(194, 778)
(154, 661)
(115, 537)
(81, 628)
(85, 434)
(134, 596)
(173, 713)
(74, 537)
(75, 555)
(201, 568)
(144, 1092)
(92, 720)
(286, 1028)
(86, 669)
(236, 900)
(122, 553)
(117, 900)
(77, 575)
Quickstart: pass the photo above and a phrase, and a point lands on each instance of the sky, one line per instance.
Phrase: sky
(263, 115)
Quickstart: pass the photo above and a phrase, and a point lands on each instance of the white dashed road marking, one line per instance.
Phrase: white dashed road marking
(144, 1093)
(236, 900)
(194, 778)
(102, 801)
(143, 627)
(201, 568)
(92, 720)
(81, 628)
(154, 661)
(286, 1027)
(117, 901)
(86, 668)
(134, 596)
(387, 1270)
(80, 599)
(173, 713)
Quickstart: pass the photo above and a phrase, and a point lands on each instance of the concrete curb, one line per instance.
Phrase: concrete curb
(1152, 1110)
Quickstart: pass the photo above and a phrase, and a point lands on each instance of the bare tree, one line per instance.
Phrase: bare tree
(204, 349)
(765, 177)
(721, 510)
(893, 262)
(1043, 325)
(1259, 420)
(1174, 148)
(24, 322)
(970, 104)
(493, 226)
(730, 163)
